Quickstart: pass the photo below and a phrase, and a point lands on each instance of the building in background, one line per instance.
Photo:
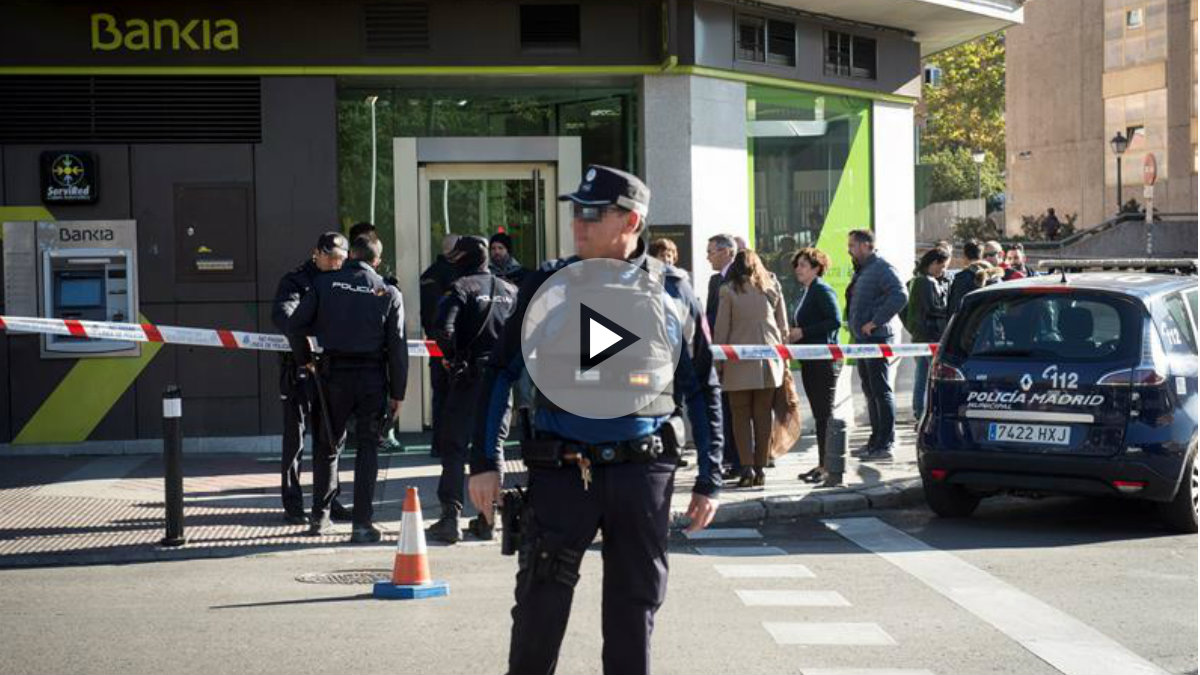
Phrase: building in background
(233, 133)
(1081, 71)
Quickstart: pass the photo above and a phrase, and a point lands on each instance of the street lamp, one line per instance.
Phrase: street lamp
(374, 155)
(1119, 144)
(978, 156)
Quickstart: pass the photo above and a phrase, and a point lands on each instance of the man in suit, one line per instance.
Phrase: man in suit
(722, 249)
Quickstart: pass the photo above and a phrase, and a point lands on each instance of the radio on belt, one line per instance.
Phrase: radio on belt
(84, 269)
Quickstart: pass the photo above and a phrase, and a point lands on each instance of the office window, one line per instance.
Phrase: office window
(849, 55)
(1135, 18)
(766, 41)
(933, 76)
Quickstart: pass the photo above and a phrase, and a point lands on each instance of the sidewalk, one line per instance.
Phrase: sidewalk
(102, 510)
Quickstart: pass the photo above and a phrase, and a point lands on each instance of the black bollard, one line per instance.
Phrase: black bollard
(173, 463)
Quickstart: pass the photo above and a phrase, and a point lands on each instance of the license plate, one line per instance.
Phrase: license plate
(1039, 434)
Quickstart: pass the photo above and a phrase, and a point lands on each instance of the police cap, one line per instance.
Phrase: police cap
(604, 186)
(332, 241)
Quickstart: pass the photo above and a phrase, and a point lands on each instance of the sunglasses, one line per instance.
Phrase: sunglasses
(590, 214)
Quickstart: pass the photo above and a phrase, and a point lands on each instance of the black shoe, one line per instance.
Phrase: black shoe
(813, 475)
(747, 478)
(864, 450)
(481, 529)
(681, 462)
(876, 456)
(446, 528)
(320, 527)
(340, 514)
(832, 480)
(760, 477)
(297, 519)
(365, 534)
(729, 473)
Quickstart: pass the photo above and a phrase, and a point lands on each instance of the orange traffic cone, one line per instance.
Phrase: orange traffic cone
(410, 571)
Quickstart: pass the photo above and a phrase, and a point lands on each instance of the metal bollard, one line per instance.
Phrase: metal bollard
(837, 445)
(173, 463)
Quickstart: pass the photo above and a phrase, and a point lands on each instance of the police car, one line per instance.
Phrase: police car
(1075, 382)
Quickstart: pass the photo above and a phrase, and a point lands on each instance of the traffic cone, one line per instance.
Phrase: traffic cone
(410, 571)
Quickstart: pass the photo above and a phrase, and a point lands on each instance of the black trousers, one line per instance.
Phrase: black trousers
(452, 441)
(881, 402)
(439, 381)
(820, 387)
(300, 412)
(631, 503)
(731, 456)
(350, 392)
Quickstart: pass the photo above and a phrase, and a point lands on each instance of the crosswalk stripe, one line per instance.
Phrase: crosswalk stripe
(794, 571)
(725, 533)
(854, 634)
(740, 551)
(778, 598)
(865, 671)
(1059, 639)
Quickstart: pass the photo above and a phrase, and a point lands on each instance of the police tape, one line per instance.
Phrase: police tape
(233, 339)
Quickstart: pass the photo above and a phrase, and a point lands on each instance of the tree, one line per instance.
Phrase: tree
(966, 109)
(953, 177)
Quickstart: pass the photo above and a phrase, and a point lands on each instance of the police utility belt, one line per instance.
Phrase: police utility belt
(555, 453)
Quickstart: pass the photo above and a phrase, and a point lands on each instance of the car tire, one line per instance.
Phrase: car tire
(948, 500)
(1180, 514)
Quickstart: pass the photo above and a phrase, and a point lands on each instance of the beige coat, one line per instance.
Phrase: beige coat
(751, 317)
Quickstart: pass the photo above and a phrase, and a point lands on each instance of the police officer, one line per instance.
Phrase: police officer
(469, 321)
(300, 404)
(387, 439)
(435, 280)
(630, 499)
(358, 319)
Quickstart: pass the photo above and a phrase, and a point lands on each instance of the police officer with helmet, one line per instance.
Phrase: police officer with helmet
(296, 391)
(594, 473)
(469, 321)
(358, 319)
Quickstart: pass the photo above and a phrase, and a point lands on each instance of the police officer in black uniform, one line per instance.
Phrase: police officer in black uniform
(470, 319)
(435, 280)
(358, 319)
(300, 403)
(629, 498)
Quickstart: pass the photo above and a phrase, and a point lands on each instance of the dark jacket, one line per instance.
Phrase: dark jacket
(695, 377)
(927, 308)
(964, 282)
(878, 297)
(434, 282)
(818, 315)
(713, 300)
(355, 314)
(292, 287)
(472, 315)
(512, 272)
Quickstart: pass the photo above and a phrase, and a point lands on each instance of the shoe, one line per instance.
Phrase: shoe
(365, 534)
(747, 478)
(320, 527)
(771, 464)
(340, 514)
(389, 444)
(864, 450)
(297, 519)
(446, 528)
(833, 479)
(760, 477)
(813, 475)
(876, 456)
(729, 473)
(481, 529)
(681, 462)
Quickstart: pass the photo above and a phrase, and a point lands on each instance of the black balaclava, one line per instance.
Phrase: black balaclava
(472, 255)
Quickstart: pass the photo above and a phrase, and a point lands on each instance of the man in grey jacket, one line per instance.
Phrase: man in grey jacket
(873, 306)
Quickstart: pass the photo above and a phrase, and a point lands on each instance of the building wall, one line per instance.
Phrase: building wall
(290, 182)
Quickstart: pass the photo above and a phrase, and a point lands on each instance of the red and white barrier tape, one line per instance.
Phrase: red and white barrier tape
(233, 339)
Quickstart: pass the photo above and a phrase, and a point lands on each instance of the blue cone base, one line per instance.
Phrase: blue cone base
(386, 590)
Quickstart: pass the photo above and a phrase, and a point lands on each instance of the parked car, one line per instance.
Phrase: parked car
(1073, 383)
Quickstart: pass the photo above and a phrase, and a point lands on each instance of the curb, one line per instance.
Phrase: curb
(895, 494)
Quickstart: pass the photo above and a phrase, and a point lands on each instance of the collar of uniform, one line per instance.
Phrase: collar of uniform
(639, 254)
(357, 263)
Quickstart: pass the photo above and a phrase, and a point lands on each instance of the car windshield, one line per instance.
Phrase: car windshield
(1049, 327)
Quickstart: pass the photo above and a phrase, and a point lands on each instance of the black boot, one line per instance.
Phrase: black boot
(446, 528)
(482, 530)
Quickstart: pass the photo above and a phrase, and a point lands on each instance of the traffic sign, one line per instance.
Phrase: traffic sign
(1149, 169)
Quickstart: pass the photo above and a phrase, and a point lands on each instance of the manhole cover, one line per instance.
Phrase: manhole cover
(346, 577)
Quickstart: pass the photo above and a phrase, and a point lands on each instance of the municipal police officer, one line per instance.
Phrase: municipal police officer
(300, 405)
(470, 319)
(358, 319)
(628, 498)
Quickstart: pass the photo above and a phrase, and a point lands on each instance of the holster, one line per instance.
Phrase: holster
(512, 520)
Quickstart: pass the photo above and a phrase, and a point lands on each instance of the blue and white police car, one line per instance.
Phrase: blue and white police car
(1076, 382)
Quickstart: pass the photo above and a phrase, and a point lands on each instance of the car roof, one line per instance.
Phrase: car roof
(1142, 285)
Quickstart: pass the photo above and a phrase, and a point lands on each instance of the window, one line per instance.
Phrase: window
(1134, 18)
(766, 41)
(1177, 331)
(849, 55)
(1048, 328)
(1137, 137)
(933, 76)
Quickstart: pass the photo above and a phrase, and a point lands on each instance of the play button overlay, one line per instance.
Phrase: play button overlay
(601, 338)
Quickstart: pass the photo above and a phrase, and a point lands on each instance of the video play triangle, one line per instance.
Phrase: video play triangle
(597, 327)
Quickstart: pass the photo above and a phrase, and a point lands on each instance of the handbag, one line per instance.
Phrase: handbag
(785, 405)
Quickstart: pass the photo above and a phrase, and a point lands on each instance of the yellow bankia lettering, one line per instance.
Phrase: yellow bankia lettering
(201, 35)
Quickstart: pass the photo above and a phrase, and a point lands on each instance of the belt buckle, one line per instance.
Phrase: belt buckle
(606, 454)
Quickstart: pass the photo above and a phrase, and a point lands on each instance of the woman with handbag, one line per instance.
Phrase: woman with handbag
(817, 320)
(751, 312)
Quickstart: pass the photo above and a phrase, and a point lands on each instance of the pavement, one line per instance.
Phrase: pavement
(91, 510)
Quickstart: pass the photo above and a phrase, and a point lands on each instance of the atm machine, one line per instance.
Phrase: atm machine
(81, 269)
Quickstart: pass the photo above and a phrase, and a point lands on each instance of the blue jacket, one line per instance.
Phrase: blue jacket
(818, 315)
(878, 296)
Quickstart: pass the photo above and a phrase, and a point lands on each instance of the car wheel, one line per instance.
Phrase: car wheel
(1181, 513)
(948, 500)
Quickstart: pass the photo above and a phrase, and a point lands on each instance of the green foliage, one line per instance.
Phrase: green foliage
(952, 175)
(1033, 227)
(967, 109)
(975, 228)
